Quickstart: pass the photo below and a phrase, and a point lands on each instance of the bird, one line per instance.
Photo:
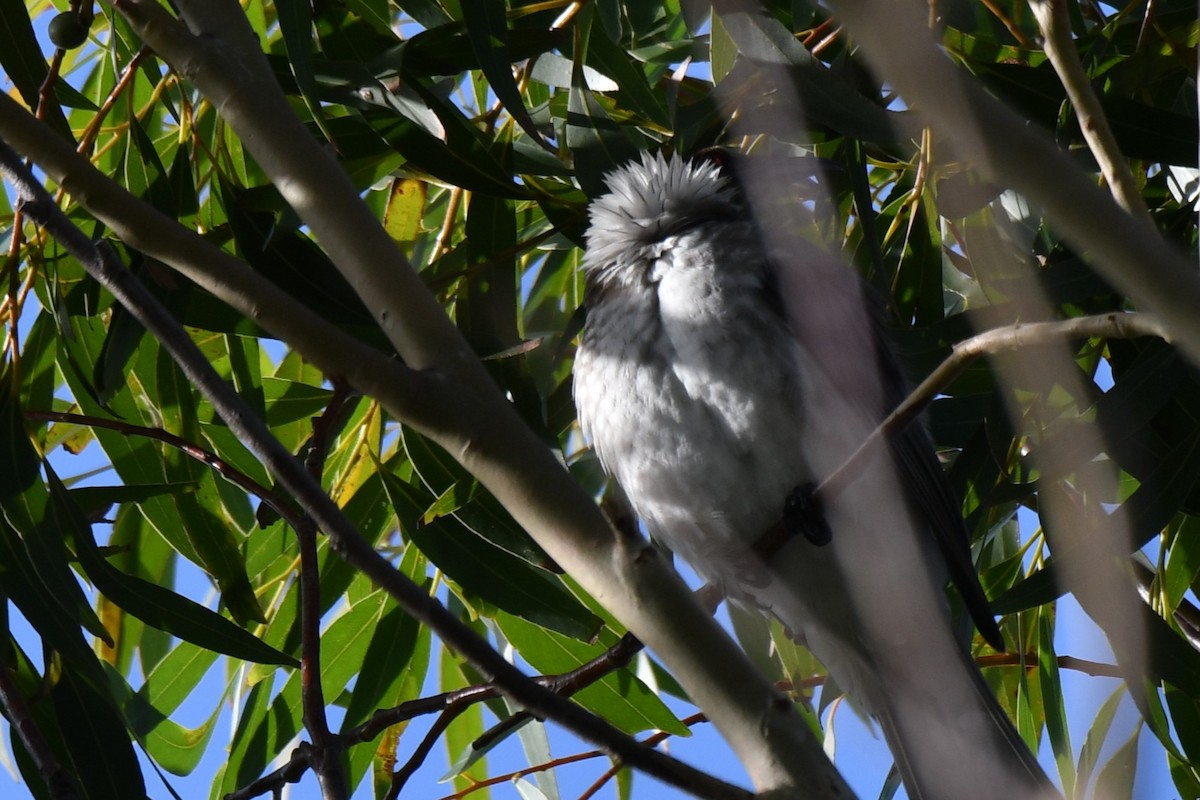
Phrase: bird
(728, 366)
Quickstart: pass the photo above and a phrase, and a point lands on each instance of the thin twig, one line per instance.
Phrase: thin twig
(326, 754)
(387, 717)
(1116, 325)
(567, 684)
(611, 772)
(421, 751)
(325, 427)
(1012, 27)
(88, 138)
(272, 783)
(451, 704)
(326, 758)
(206, 457)
(650, 741)
(1029, 660)
(58, 781)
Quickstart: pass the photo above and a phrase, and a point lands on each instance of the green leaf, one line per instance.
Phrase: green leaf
(1164, 490)
(405, 207)
(57, 627)
(173, 747)
(392, 669)
(1053, 703)
(1037, 589)
(489, 572)
(488, 312)
(295, 27)
(97, 745)
(467, 727)
(280, 251)
(1185, 718)
(487, 28)
(150, 602)
(20, 54)
(173, 680)
(92, 500)
(192, 522)
(1089, 755)
(35, 544)
(464, 159)
(256, 731)
(1116, 779)
(825, 99)
(1183, 560)
(619, 697)
(246, 369)
(596, 142)
(461, 495)
(724, 50)
(145, 175)
(22, 60)
(343, 648)
(632, 87)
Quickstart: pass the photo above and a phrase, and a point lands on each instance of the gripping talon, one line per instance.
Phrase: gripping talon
(804, 514)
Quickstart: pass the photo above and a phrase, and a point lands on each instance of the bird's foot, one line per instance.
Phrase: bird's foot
(804, 514)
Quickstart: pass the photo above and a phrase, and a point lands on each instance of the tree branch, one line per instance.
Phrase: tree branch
(58, 781)
(206, 457)
(405, 392)
(1030, 661)
(1115, 325)
(1060, 49)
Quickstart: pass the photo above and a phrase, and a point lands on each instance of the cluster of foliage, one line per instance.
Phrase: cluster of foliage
(477, 132)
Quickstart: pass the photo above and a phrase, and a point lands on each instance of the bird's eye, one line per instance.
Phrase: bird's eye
(719, 157)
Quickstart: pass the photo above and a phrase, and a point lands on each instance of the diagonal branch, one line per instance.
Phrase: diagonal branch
(1014, 337)
(190, 449)
(1060, 49)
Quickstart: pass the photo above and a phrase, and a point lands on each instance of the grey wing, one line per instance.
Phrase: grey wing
(823, 301)
(933, 498)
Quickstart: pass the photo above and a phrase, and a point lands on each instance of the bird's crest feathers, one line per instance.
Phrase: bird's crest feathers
(648, 200)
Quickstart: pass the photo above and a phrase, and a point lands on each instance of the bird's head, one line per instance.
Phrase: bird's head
(648, 201)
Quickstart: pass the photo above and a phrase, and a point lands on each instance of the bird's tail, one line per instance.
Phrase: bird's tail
(959, 743)
(902, 664)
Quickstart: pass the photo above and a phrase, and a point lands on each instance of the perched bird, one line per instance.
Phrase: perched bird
(725, 369)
